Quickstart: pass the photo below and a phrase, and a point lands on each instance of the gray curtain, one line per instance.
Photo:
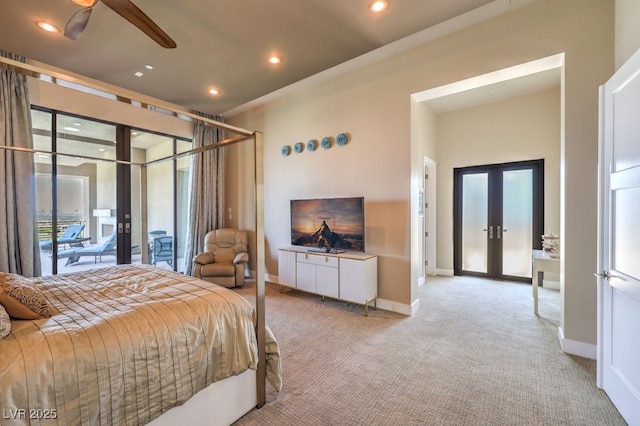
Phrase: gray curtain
(19, 250)
(206, 180)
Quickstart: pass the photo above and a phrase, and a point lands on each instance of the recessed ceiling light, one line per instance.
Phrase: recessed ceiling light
(138, 74)
(47, 27)
(275, 59)
(214, 91)
(378, 6)
(71, 129)
(149, 66)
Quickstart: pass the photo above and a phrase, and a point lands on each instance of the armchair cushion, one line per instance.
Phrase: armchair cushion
(204, 258)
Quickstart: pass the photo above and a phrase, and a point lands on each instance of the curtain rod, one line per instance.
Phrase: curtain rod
(122, 95)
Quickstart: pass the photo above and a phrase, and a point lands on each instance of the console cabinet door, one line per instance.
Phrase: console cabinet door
(358, 280)
(287, 268)
(305, 273)
(327, 280)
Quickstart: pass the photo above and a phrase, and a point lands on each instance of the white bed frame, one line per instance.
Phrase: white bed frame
(219, 404)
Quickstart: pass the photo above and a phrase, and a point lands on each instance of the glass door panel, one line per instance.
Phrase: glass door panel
(183, 191)
(475, 203)
(86, 193)
(95, 243)
(138, 245)
(155, 218)
(42, 140)
(517, 222)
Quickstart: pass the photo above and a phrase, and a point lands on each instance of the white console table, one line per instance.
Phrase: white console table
(542, 262)
(348, 276)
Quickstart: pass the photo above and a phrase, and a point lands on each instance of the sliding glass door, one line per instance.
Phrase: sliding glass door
(498, 213)
(104, 193)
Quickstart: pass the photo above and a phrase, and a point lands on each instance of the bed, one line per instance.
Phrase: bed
(133, 344)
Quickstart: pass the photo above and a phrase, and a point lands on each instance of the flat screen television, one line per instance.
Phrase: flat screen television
(335, 224)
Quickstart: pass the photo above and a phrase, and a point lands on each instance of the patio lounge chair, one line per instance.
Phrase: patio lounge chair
(70, 236)
(106, 248)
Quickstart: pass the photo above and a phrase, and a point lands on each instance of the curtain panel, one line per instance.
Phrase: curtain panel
(206, 180)
(19, 250)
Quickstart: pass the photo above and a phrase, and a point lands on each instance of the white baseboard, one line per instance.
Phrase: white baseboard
(444, 272)
(585, 350)
(401, 308)
(272, 278)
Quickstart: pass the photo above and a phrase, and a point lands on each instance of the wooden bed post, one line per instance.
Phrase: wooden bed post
(260, 268)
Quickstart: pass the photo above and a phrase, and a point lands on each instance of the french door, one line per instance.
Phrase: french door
(498, 219)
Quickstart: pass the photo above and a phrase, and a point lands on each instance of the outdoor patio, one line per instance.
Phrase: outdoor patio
(88, 262)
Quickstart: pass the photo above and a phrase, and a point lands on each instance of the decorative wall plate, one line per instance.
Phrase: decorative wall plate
(298, 147)
(326, 142)
(311, 145)
(285, 150)
(341, 139)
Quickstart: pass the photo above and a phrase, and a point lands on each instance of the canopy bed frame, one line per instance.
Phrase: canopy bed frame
(256, 379)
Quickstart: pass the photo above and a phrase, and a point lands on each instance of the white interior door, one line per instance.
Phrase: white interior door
(619, 245)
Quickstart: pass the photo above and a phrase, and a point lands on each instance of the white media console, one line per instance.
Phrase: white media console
(348, 276)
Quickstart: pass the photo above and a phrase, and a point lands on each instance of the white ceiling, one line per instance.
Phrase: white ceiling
(225, 43)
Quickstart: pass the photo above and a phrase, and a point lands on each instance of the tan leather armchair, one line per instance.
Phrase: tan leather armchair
(223, 258)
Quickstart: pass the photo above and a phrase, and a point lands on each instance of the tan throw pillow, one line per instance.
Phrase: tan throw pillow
(24, 291)
(5, 323)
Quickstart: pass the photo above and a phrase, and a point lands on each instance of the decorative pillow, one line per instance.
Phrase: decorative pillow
(5, 323)
(24, 291)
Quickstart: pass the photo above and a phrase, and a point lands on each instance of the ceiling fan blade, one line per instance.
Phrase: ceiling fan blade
(77, 23)
(137, 17)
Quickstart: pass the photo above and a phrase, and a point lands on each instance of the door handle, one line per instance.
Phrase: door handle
(490, 232)
(499, 231)
(605, 275)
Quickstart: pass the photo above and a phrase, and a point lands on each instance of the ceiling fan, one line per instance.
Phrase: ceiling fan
(124, 8)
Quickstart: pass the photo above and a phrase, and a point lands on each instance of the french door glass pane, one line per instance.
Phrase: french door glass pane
(517, 220)
(41, 130)
(86, 190)
(183, 191)
(156, 193)
(475, 207)
(138, 245)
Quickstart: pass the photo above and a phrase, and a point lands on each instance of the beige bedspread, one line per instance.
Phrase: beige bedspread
(125, 344)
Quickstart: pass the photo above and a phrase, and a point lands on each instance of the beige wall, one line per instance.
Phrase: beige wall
(384, 159)
(373, 104)
(627, 30)
(519, 129)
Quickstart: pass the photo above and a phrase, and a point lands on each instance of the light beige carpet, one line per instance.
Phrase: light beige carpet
(474, 354)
